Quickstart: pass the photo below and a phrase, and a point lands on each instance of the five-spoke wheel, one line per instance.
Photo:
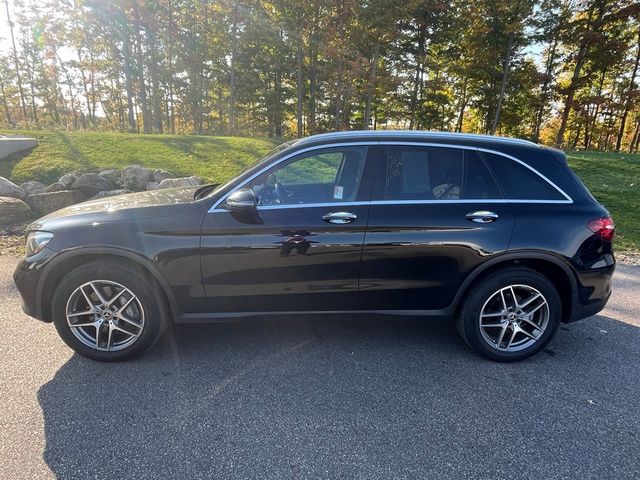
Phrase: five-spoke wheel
(514, 318)
(510, 314)
(105, 315)
(109, 311)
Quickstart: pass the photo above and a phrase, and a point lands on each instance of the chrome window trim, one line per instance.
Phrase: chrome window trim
(214, 208)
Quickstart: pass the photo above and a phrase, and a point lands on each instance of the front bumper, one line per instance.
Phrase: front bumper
(27, 277)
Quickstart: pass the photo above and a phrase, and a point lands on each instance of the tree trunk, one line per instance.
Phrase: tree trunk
(23, 104)
(146, 115)
(463, 106)
(126, 52)
(627, 103)
(506, 64)
(5, 105)
(233, 121)
(371, 87)
(544, 90)
(422, 33)
(86, 90)
(299, 84)
(313, 70)
(70, 87)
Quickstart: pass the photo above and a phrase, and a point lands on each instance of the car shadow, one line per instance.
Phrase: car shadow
(354, 397)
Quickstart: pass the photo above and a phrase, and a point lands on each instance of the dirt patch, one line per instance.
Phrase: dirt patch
(12, 240)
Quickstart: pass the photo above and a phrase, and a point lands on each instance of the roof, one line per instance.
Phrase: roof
(414, 135)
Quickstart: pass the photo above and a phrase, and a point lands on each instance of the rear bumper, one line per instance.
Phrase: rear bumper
(593, 292)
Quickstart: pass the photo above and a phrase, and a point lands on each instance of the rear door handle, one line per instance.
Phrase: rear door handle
(339, 218)
(482, 216)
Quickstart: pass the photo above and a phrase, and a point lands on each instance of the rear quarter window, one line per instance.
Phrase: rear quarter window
(519, 182)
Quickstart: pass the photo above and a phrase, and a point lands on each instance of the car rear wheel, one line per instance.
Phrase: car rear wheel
(510, 315)
(109, 312)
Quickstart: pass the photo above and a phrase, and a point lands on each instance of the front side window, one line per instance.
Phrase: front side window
(435, 173)
(322, 176)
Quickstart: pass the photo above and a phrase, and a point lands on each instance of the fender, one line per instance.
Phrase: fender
(136, 257)
(511, 256)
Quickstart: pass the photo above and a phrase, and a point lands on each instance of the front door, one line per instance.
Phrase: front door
(436, 214)
(305, 254)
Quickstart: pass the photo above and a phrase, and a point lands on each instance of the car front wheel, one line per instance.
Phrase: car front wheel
(510, 315)
(108, 312)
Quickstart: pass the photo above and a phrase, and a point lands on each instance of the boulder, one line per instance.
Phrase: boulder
(10, 189)
(180, 182)
(159, 175)
(136, 177)
(91, 183)
(43, 203)
(109, 193)
(67, 179)
(13, 210)
(152, 186)
(113, 175)
(54, 187)
(32, 187)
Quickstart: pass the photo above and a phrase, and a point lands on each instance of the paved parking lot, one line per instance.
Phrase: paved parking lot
(361, 397)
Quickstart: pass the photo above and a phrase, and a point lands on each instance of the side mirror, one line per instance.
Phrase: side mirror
(243, 206)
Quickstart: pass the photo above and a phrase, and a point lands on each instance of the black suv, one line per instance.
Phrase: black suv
(496, 233)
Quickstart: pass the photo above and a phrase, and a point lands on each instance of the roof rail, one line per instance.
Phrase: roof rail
(413, 134)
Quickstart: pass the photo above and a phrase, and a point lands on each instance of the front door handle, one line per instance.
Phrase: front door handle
(482, 216)
(339, 218)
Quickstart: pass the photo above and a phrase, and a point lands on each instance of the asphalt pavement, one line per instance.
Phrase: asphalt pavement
(323, 397)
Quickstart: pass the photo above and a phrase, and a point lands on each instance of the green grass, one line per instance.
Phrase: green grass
(215, 159)
(614, 179)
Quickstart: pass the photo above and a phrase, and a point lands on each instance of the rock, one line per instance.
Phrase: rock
(32, 187)
(67, 179)
(152, 186)
(43, 203)
(114, 175)
(135, 177)
(13, 210)
(10, 189)
(180, 182)
(91, 183)
(109, 193)
(54, 187)
(159, 175)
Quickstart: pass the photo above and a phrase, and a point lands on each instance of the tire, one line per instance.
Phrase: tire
(530, 328)
(136, 318)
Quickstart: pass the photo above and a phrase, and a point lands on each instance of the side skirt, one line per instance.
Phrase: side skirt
(196, 318)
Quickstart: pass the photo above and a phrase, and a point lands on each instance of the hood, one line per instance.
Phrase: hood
(131, 206)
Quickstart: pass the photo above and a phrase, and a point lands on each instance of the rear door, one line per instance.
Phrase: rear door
(436, 213)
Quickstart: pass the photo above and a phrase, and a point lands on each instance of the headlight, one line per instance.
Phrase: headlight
(36, 241)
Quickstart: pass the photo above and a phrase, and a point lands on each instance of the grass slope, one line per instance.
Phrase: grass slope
(213, 158)
(614, 179)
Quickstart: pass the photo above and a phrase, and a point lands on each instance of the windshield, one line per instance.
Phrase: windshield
(266, 158)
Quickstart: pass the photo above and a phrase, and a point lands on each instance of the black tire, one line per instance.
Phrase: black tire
(156, 313)
(468, 321)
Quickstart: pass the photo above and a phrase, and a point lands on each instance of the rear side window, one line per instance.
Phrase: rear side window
(518, 182)
(434, 173)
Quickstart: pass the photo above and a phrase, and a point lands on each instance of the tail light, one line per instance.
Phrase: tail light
(603, 227)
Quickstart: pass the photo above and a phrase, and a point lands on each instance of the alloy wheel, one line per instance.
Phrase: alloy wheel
(514, 318)
(105, 315)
